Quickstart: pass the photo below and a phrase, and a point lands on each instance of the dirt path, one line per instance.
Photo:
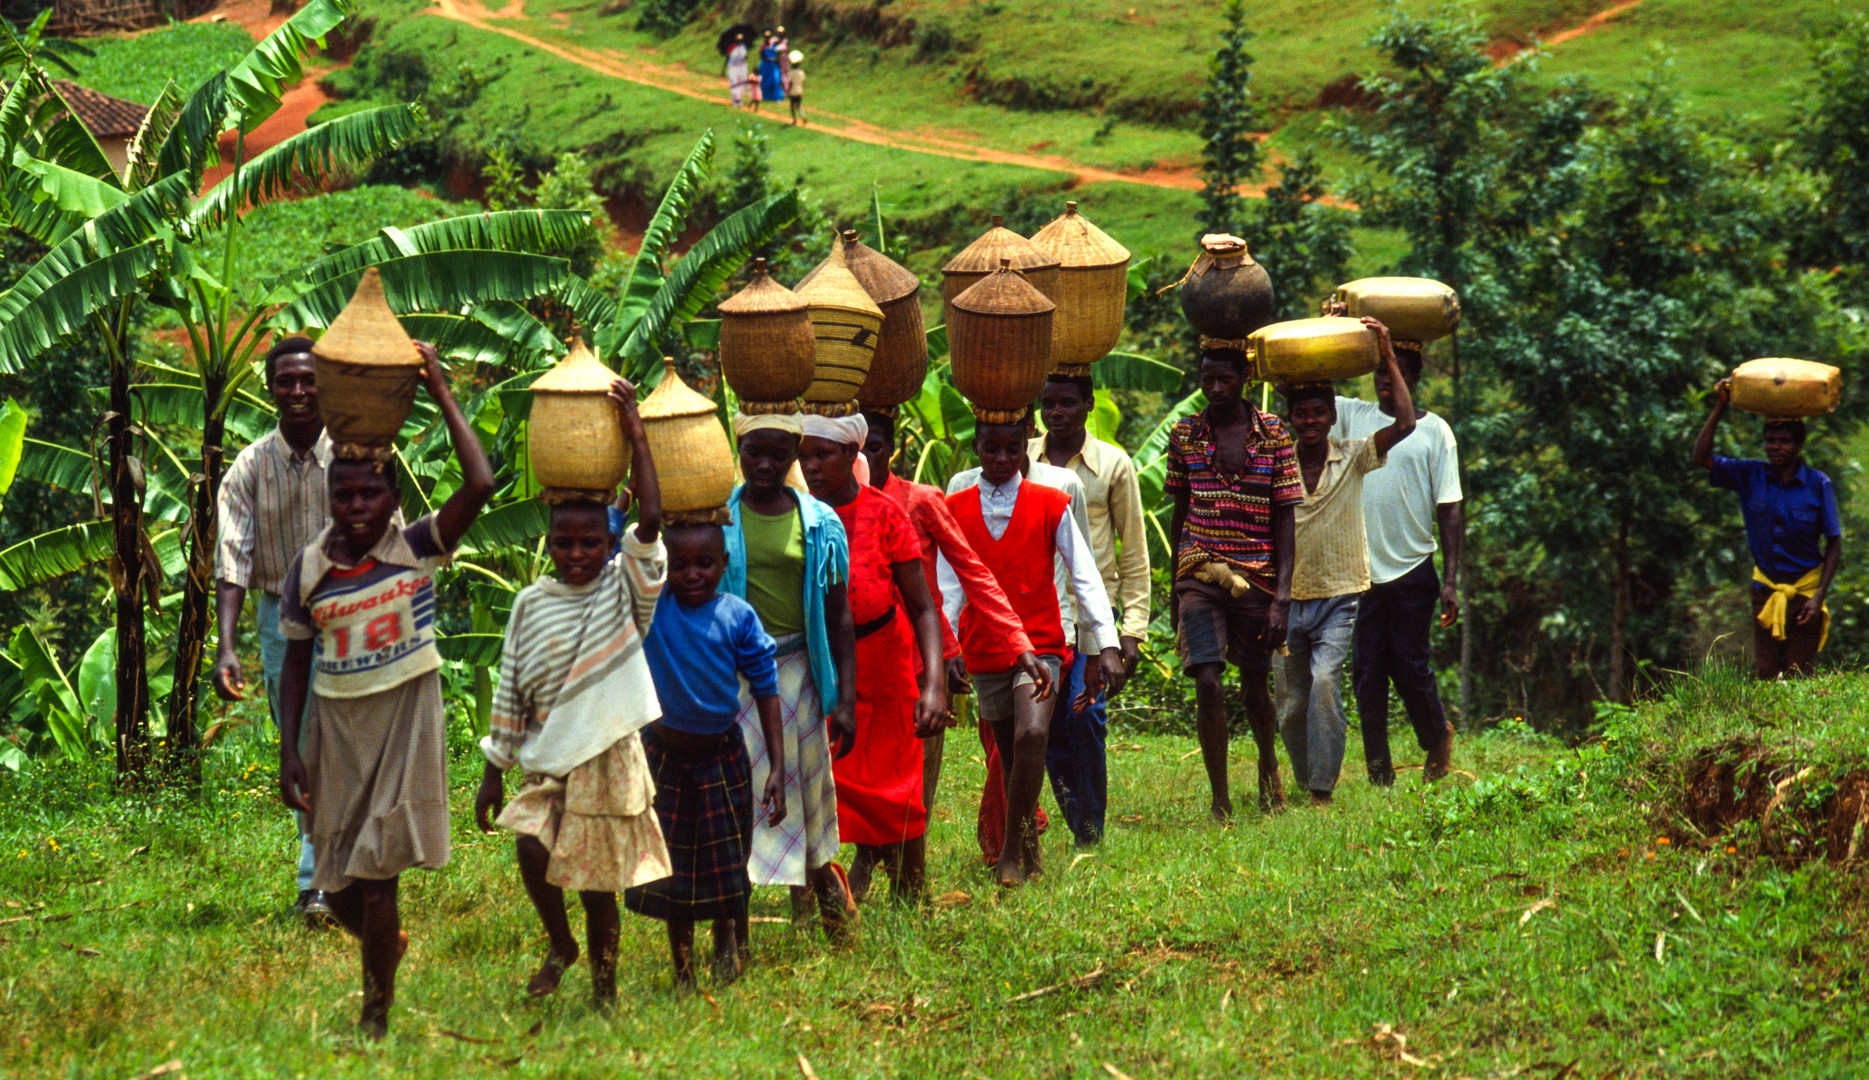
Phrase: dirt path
(677, 79)
(1504, 50)
(1594, 22)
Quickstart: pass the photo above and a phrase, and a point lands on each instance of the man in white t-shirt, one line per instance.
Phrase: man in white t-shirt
(1404, 504)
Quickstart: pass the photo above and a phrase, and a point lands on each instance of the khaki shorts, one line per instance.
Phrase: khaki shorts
(993, 690)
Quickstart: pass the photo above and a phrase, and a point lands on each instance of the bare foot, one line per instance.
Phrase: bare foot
(374, 1027)
(726, 967)
(544, 982)
(1271, 793)
(1222, 809)
(1010, 871)
(1322, 798)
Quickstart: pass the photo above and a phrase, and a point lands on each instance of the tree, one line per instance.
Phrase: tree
(1230, 122)
(1833, 136)
(1308, 243)
(1444, 146)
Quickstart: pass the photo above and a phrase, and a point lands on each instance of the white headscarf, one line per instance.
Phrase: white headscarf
(851, 430)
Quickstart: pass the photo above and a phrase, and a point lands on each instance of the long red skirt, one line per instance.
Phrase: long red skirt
(879, 784)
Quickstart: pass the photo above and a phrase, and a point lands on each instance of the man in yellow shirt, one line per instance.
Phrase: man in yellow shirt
(1330, 571)
(1075, 758)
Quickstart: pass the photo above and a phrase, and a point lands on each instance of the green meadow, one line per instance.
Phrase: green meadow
(1548, 911)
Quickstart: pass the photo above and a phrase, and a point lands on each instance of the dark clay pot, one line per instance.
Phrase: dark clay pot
(1225, 293)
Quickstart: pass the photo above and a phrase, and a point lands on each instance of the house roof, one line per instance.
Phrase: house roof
(107, 117)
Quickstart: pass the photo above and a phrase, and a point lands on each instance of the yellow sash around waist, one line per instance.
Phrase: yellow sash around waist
(1778, 605)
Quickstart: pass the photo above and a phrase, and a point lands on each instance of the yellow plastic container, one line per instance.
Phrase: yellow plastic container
(1312, 350)
(1779, 386)
(1414, 309)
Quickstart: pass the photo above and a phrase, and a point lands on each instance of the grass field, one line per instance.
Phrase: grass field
(1550, 911)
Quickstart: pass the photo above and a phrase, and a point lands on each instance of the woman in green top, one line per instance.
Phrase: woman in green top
(787, 555)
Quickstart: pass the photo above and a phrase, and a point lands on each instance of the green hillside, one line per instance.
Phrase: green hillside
(1051, 96)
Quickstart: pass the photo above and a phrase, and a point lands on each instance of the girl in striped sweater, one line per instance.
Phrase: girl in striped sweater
(574, 695)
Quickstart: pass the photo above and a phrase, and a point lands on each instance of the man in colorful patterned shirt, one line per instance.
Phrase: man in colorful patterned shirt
(1233, 476)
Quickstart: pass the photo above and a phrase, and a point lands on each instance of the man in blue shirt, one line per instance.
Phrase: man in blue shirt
(1796, 539)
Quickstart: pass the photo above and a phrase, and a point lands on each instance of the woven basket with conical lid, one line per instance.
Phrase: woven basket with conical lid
(983, 256)
(767, 349)
(1000, 342)
(367, 371)
(847, 324)
(693, 461)
(901, 360)
(1093, 285)
(574, 442)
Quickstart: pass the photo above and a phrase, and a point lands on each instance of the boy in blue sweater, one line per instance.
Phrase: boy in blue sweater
(701, 643)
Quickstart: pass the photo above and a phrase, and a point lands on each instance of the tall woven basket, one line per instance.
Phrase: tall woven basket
(1000, 341)
(901, 360)
(848, 325)
(367, 371)
(982, 257)
(768, 350)
(575, 444)
(693, 462)
(1093, 285)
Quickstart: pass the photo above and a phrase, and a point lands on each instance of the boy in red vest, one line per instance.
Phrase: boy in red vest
(1019, 529)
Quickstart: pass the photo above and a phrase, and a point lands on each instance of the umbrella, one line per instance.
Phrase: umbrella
(741, 31)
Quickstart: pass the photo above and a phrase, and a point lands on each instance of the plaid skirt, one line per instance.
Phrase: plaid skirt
(704, 801)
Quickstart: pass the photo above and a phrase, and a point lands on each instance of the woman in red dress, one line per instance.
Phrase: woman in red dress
(879, 784)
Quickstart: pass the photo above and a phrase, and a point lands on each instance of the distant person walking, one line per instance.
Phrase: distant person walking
(737, 77)
(1795, 536)
(795, 87)
(771, 81)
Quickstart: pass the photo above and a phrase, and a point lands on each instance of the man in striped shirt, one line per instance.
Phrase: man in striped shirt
(1234, 480)
(272, 504)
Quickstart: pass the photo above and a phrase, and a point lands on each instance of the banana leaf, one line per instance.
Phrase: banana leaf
(517, 524)
(193, 141)
(475, 650)
(56, 134)
(457, 281)
(97, 229)
(56, 466)
(12, 441)
(69, 307)
(257, 82)
(54, 554)
(698, 276)
(335, 146)
(528, 231)
(145, 146)
(645, 280)
(1133, 371)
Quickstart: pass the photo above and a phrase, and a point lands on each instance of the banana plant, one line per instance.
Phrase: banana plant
(116, 240)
